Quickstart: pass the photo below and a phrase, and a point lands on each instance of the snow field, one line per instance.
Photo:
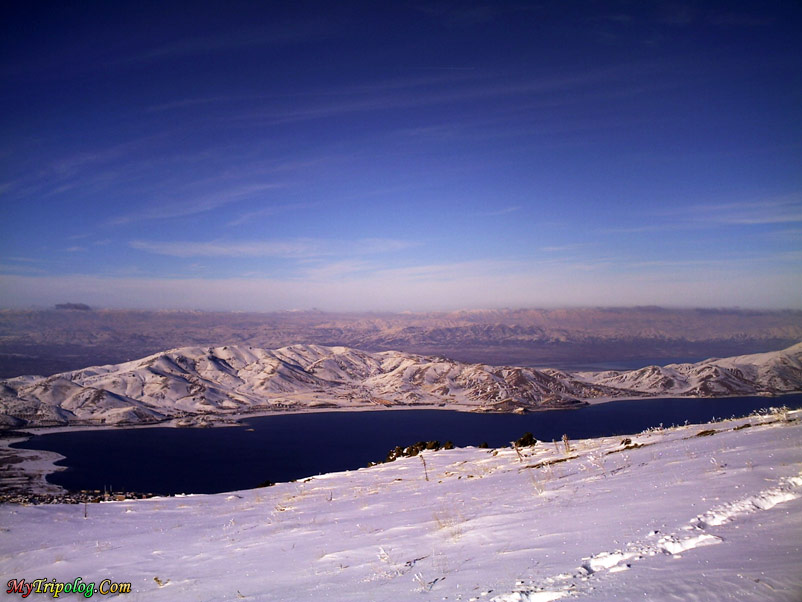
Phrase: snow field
(670, 513)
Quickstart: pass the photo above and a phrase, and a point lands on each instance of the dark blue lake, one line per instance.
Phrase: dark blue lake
(286, 447)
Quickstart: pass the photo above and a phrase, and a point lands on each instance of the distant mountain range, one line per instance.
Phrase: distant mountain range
(196, 384)
(53, 341)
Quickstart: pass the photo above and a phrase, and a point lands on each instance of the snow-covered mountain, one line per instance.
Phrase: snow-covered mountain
(194, 383)
(761, 373)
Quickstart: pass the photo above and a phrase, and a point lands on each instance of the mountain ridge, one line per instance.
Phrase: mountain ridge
(197, 384)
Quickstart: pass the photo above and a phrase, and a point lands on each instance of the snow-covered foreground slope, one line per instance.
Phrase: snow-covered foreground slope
(704, 512)
(194, 383)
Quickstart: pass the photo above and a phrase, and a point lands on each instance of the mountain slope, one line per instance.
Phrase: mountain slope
(193, 383)
(773, 373)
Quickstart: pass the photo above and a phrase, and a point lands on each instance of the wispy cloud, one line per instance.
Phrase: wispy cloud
(9, 268)
(270, 210)
(733, 19)
(298, 248)
(370, 89)
(662, 226)
(790, 233)
(194, 102)
(561, 248)
(489, 270)
(502, 211)
(312, 29)
(458, 15)
(195, 204)
(783, 210)
(6, 186)
(294, 248)
(23, 259)
(381, 96)
(77, 163)
(338, 269)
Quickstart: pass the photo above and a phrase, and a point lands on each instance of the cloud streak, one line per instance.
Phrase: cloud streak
(502, 211)
(777, 211)
(440, 91)
(299, 248)
(785, 210)
(232, 41)
(271, 210)
(195, 204)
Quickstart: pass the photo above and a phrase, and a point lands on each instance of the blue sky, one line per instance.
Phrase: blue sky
(401, 155)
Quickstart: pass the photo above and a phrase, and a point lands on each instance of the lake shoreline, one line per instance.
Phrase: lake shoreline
(222, 420)
(25, 470)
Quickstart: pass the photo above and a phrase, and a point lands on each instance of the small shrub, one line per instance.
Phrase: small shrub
(415, 449)
(450, 521)
(394, 453)
(527, 440)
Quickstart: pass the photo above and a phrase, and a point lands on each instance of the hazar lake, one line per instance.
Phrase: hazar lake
(286, 447)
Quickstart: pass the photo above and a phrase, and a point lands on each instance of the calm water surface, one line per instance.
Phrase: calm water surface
(286, 447)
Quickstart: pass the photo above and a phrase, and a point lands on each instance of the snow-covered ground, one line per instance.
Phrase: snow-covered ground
(670, 515)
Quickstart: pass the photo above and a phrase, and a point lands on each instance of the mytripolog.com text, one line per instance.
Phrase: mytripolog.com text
(76, 586)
